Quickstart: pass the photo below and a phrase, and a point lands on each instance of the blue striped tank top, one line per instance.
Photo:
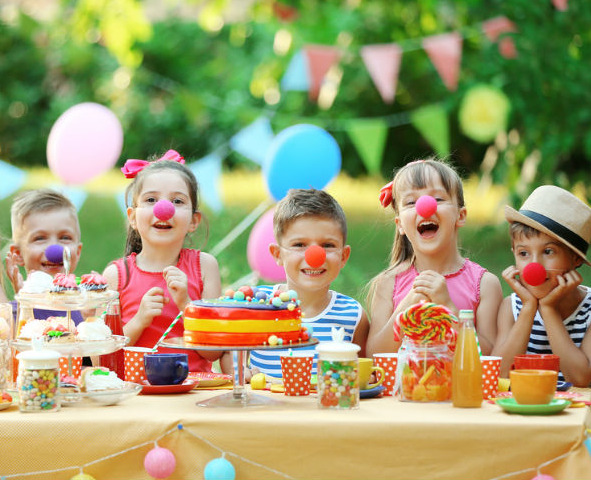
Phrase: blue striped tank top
(342, 311)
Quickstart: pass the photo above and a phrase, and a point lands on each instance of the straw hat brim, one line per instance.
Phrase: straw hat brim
(513, 215)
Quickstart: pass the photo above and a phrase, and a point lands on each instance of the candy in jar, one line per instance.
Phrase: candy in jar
(338, 378)
(38, 381)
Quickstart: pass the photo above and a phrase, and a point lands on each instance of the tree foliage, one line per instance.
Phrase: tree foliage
(192, 82)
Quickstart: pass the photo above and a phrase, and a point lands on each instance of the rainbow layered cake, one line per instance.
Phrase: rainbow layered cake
(245, 317)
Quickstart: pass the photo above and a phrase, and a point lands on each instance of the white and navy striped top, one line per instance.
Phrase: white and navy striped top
(342, 311)
(576, 325)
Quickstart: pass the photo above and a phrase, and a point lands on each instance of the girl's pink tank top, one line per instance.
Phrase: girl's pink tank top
(134, 283)
(463, 285)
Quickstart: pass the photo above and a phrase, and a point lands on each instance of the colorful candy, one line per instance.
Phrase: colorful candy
(426, 323)
(338, 384)
(38, 389)
(426, 373)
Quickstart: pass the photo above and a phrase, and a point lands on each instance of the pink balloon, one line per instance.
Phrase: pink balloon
(543, 476)
(159, 462)
(257, 251)
(85, 141)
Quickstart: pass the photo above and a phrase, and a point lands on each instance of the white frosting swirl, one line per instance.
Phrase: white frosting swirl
(93, 328)
(102, 381)
(37, 282)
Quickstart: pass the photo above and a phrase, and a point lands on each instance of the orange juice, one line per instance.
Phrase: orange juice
(466, 370)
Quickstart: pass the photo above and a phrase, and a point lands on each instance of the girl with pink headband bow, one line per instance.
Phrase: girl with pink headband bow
(425, 263)
(158, 276)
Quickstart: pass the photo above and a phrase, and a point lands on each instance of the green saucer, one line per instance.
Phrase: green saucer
(511, 406)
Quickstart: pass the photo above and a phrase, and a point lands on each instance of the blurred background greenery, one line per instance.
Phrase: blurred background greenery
(190, 74)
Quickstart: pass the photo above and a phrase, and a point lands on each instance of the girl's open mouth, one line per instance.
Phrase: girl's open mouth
(427, 228)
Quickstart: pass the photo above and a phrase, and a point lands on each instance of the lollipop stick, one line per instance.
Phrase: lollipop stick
(167, 331)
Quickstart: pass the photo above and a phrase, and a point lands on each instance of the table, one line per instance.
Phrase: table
(385, 438)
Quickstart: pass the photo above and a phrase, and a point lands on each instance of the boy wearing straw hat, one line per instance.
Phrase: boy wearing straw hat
(549, 310)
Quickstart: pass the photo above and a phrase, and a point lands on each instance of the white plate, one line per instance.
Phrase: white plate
(78, 301)
(102, 397)
(5, 405)
(79, 347)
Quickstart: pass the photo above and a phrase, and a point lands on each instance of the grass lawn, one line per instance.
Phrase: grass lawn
(484, 239)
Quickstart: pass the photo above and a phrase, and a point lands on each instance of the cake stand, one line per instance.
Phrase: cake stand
(239, 397)
(81, 301)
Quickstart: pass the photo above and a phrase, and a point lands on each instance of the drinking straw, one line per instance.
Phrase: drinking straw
(478, 344)
(167, 331)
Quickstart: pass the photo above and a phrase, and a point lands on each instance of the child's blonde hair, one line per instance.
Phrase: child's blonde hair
(35, 201)
(134, 241)
(300, 202)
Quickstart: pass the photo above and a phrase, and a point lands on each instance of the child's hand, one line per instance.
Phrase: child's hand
(13, 272)
(151, 305)
(433, 286)
(177, 283)
(567, 282)
(510, 275)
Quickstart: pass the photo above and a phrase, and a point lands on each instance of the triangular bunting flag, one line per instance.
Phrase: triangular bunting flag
(383, 64)
(76, 195)
(320, 59)
(445, 51)
(208, 171)
(369, 137)
(296, 76)
(496, 26)
(120, 199)
(254, 140)
(432, 122)
(11, 179)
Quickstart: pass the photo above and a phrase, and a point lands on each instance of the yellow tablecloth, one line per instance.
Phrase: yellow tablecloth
(385, 439)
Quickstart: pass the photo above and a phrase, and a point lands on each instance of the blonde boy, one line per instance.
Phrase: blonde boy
(302, 219)
(552, 228)
(41, 218)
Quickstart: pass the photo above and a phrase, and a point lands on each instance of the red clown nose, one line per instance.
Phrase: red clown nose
(315, 256)
(534, 274)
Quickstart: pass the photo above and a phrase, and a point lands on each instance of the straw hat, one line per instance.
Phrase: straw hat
(559, 214)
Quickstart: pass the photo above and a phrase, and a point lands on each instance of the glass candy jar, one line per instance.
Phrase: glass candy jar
(38, 381)
(338, 378)
(424, 372)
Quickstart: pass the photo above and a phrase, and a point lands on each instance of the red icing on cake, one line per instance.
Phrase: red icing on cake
(245, 321)
(64, 283)
(93, 282)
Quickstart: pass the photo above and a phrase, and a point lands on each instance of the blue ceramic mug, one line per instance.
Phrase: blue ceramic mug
(166, 368)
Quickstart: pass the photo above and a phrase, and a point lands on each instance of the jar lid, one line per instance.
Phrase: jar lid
(338, 347)
(38, 355)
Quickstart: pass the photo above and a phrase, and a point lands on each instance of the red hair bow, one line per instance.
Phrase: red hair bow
(386, 195)
(132, 166)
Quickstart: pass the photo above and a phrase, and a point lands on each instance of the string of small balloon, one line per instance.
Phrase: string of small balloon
(179, 427)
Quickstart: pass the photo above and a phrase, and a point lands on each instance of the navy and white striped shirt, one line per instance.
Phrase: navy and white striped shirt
(342, 311)
(576, 325)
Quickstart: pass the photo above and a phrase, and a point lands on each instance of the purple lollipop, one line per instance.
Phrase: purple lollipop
(163, 210)
(55, 253)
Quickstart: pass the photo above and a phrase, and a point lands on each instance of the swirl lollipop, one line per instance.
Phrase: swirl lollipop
(315, 256)
(534, 273)
(55, 254)
(426, 322)
(426, 206)
(164, 210)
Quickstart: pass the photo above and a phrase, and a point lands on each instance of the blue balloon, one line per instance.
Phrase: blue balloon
(301, 156)
(219, 469)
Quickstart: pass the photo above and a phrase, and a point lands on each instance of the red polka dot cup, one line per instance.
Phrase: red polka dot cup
(297, 371)
(491, 368)
(70, 366)
(133, 358)
(389, 362)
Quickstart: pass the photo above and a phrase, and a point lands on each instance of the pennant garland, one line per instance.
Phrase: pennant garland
(254, 140)
(12, 177)
(208, 171)
(296, 77)
(320, 59)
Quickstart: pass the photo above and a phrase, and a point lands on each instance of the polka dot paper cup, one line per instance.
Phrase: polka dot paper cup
(76, 363)
(133, 358)
(388, 361)
(491, 367)
(297, 371)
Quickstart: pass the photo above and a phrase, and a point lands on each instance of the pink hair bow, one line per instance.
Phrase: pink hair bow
(132, 166)
(386, 195)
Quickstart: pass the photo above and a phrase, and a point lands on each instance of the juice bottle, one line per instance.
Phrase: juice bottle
(114, 361)
(467, 369)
